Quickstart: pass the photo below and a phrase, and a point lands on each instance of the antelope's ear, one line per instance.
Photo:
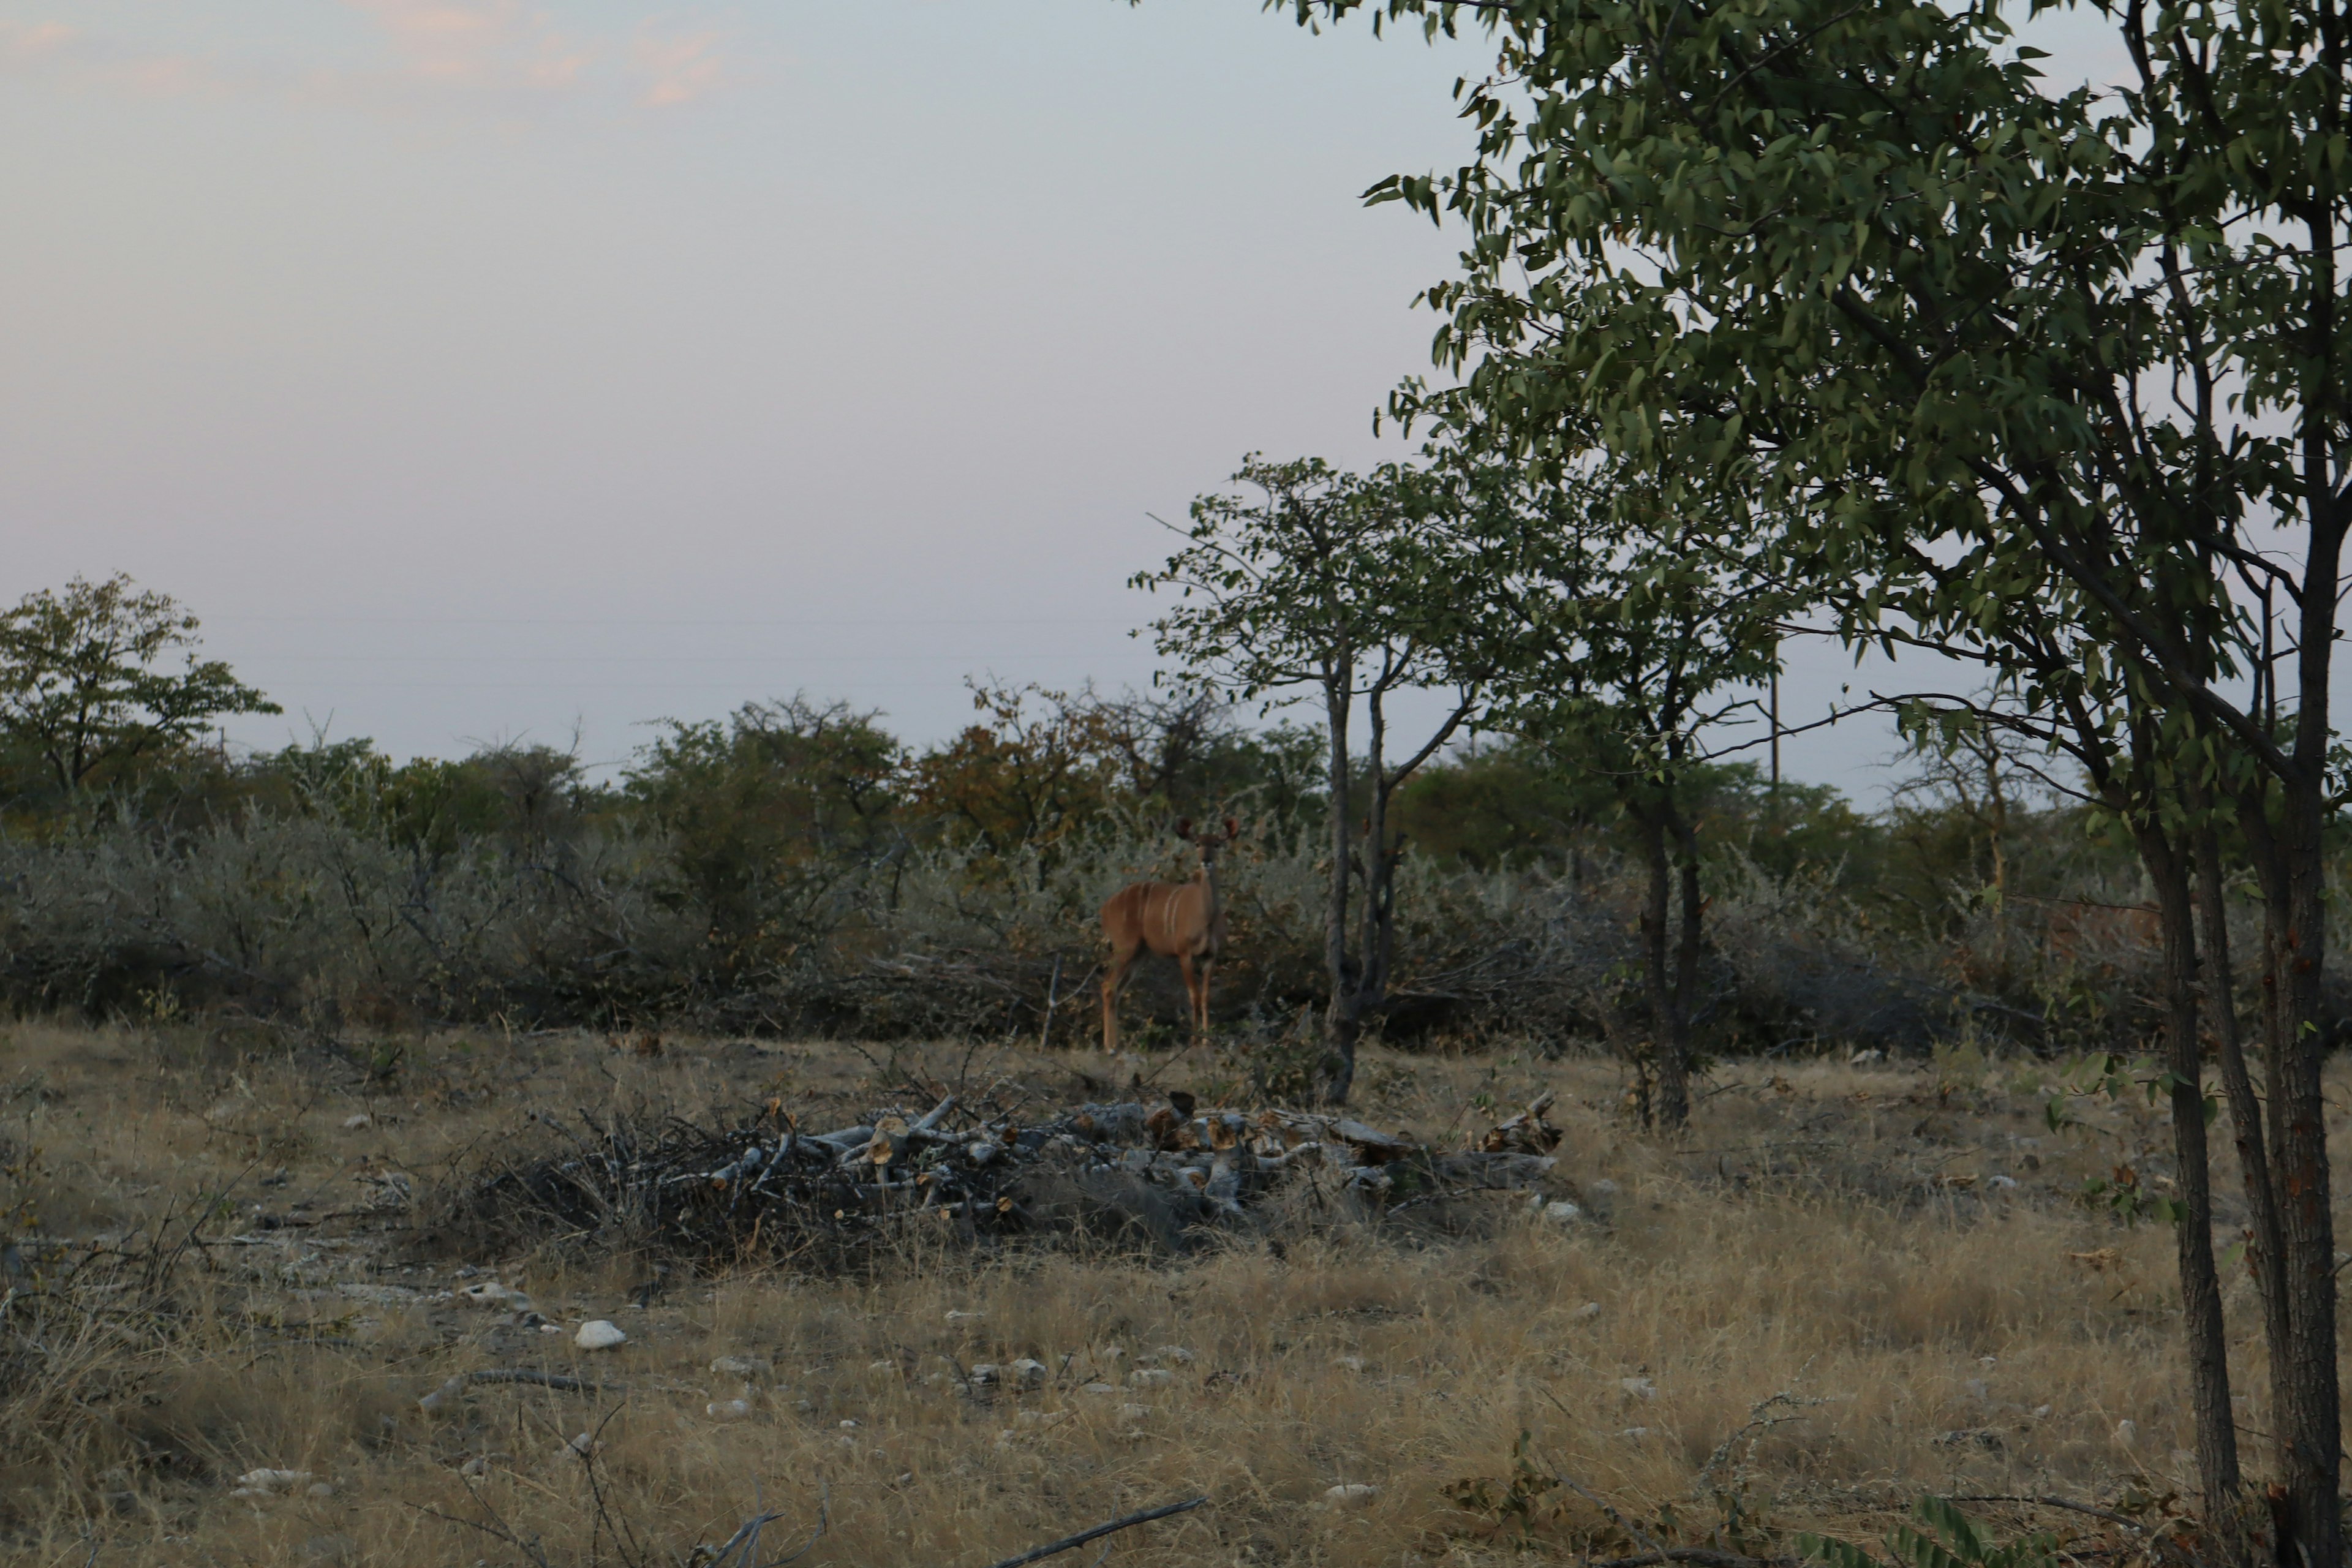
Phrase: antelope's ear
(1232, 828)
(1183, 827)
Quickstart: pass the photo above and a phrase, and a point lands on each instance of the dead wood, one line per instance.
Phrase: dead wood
(1125, 1521)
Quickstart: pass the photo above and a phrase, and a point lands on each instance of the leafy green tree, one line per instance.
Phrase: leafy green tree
(772, 810)
(2015, 361)
(1307, 584)
(85, 683)
(1619, 628)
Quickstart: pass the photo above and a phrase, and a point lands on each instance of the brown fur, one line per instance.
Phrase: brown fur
(1182, 921)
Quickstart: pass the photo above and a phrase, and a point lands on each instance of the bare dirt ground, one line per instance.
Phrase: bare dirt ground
(1847, 1286)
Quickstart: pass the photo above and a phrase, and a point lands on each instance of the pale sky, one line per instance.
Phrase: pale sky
(480, 370)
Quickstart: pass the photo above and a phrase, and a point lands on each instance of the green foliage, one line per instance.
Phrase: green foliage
(1953, 1541)
(84, 688)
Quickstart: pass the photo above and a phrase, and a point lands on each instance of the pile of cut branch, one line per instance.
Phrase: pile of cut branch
(766, 1187)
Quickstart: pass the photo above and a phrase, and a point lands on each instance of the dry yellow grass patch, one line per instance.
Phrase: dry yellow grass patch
(1845, 1237)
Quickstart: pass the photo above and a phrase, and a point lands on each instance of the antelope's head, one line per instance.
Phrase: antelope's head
(1209, 845)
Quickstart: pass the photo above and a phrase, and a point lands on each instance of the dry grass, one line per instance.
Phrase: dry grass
(1827, 1231)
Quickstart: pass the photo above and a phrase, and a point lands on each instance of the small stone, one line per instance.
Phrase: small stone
(1040, 1417)
(1180, 1354)
(1589, 1310)
(849, 1426)
(599, 1334)
(582, 1444)
(1604, 1188)
(1638, 1387)
(322, 1488)
(477, 1466)
(274, 1480)
(751, 1368)
(1562, 1212)
(1351, 1494)
(2126, 1432)
(1151, 1377)
(2041, 1413)
(1349, 1363)
(1633, 1434)
(2001, 1181)
(985, 1372)
(956, 1316)
(1099, 1388)
(1134, 1411)
(1028, 1372)
(550, 1328)
(353, 1124)
(727, 1409)
(882, 1366)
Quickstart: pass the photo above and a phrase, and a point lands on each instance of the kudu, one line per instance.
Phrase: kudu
(1182, 921)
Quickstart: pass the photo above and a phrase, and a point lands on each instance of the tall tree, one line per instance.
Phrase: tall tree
(1314, 585)
(1997, 347)
(1620, 630)
(85, 681)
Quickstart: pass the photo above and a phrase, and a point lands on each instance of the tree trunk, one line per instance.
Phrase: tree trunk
(1342, 1022)
(2310, 1422)
(2200, 1287)
(1668, 1064)
(1674, 1045)
(2265, 1254)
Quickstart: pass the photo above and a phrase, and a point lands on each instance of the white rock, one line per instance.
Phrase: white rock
(1349, 1363)
(2001, 1181)
(582, 1443)
(1135, 1412)
(1589, 1310)
(1040, 1417)
(477, 1466)
(1351, 1494)
(1605, 1188)
(955, 1316)
(1560, 1211)
(849, 1426)
(274, 1480)
(1177, 1353)
(748, 1367)
(1029, 1371)
(444, 1396)
(322, 1488)
(597, 1334)
(727, 1409)
(1151, 1377)
(2042, 1412)
(2126, 1432)
(1099, 1388)
(353, 1124)
(1638, 1387)
(1861, 1058)
(555, 1328)
(881, 1366)
(1634, 1434)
